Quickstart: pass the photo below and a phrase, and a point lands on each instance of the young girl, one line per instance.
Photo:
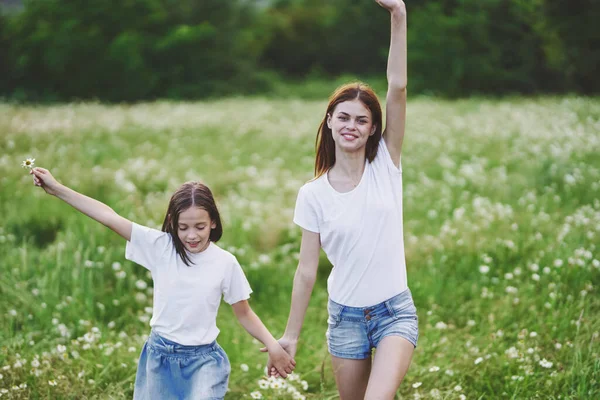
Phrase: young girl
(353, 210)
(181, 358)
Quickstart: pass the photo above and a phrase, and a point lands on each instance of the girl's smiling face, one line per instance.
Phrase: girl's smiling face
(193, 229)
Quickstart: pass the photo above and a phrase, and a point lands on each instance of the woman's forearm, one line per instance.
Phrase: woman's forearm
(301, 292)
(397, 65)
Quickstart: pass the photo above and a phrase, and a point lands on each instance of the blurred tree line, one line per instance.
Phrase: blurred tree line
(127, 50)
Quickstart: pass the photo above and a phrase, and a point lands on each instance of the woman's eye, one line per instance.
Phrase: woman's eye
(182, 229)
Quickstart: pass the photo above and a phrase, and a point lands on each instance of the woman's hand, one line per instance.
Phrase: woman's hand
(281, 362)
(290, 347)
(393, 6)
(43, 178)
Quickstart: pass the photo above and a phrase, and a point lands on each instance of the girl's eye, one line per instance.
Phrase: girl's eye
(342, 118)
(182, 229)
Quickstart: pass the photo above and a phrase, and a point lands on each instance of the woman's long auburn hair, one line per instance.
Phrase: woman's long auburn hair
(325, 145)
(191, 194)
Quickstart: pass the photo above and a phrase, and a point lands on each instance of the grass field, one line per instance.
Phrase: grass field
(502, 234)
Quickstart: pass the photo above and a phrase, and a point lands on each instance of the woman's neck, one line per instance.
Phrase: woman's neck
(348, 167)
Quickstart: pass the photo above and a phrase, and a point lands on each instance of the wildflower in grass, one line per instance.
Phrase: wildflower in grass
(140, 284)
(545, 363)
(417, 384)
(61, 349)
(462, 397)
(457, 388)
(511, 289)
(13, 313)
(256, 395)
(484, 269)
(263, 384)
(558, 346)
(478, 360)
(244, 367)
(441, 325)
(28, 163)
(435, 368)
(52, 383)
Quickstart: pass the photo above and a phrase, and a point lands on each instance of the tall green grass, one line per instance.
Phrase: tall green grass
(502, 226)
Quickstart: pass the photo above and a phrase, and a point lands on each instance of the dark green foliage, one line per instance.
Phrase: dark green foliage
(143, 49)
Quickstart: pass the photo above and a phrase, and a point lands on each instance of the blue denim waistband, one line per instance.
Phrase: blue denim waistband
(166, 346)
(358, 314)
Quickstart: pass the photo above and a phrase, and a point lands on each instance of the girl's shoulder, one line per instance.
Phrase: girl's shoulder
(221, 255)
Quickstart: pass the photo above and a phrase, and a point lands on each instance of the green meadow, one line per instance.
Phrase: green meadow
(502, 236)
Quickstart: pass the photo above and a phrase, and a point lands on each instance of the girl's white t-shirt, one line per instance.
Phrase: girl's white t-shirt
(361, 232)
(186, 299)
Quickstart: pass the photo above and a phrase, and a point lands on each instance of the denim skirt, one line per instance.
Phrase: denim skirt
(172, 371)
(353, 332)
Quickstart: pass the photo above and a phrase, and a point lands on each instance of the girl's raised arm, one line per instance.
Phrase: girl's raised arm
(88, 206)
(397, 80)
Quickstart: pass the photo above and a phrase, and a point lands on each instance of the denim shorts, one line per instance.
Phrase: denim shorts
(354, 331)
(169, 371)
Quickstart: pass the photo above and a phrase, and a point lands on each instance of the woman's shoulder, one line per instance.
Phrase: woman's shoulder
(314, 185)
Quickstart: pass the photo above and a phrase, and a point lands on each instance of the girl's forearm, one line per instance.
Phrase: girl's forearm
(95, 210)
(254, 326)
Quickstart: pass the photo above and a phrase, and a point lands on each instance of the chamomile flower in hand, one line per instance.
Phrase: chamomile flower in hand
(28, 163)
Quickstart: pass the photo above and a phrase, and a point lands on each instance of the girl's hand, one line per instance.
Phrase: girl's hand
(393, 5)
(290, 346)
(280, 362)
(44, 179)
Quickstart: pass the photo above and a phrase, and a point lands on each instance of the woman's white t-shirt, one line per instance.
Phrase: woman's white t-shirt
(186, 299)
(361, 232)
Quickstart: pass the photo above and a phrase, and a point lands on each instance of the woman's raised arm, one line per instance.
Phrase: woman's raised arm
(397, 79)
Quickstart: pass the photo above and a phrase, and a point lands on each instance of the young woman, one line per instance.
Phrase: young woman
(353, 210)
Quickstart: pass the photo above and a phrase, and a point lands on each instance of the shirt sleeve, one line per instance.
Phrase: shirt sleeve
(305, 215)
(383, 159)
(235, 286)
(146, 246)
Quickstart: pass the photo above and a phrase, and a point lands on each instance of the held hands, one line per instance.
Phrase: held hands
(288, 347)
(393, 6)
(44, 179)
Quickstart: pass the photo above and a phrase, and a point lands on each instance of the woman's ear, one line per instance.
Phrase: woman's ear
(329, 120)
(373, 129)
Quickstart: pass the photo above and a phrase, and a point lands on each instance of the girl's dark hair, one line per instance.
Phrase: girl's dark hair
(326, 146)
(191, 194)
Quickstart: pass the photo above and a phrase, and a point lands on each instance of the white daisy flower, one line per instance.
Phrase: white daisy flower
(28, 163)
